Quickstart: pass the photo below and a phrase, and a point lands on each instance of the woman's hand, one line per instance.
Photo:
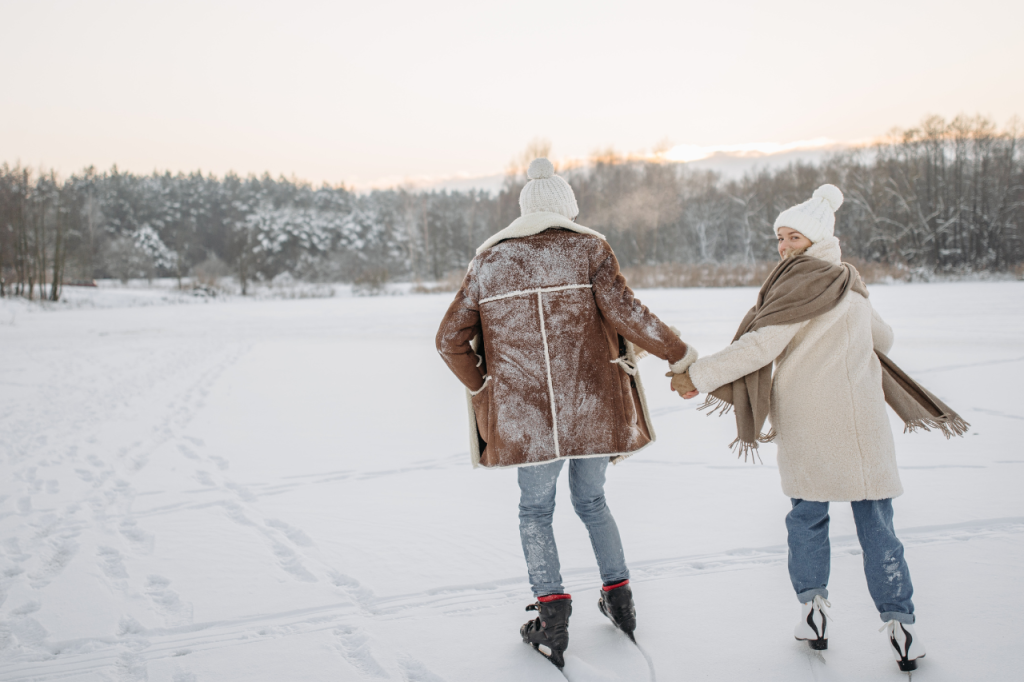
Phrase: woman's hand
(682, 385)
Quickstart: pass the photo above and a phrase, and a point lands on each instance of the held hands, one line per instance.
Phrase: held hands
(682, 385)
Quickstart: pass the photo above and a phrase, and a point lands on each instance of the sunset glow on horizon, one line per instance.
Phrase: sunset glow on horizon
(391, 93)
(692, 152)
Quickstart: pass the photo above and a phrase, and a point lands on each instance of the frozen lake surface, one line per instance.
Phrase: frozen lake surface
(281, 491)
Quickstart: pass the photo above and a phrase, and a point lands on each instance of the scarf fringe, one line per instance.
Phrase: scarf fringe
(745, 449)
(950, 425)
(767, 437)
(716, 405)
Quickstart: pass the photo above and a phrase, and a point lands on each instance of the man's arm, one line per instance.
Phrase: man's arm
(633, 320)
(460, 325)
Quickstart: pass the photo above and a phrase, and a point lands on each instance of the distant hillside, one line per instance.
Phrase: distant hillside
(729, 164)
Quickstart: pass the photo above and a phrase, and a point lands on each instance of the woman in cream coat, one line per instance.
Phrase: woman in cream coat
(832, 431)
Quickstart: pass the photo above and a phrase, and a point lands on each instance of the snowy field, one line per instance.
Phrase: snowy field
(280, 490)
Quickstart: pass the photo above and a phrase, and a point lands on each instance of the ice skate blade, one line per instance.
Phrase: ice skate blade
(816, 644)
(557, 658)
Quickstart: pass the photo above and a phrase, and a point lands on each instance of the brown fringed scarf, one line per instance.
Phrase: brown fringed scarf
(801, 288)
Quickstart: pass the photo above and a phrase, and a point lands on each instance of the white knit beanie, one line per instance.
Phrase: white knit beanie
(815, 218)
(545, 191)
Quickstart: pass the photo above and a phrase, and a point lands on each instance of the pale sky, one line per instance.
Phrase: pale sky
(375, 91)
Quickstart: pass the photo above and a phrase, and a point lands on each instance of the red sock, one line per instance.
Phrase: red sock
(608, 588)
(553, 597)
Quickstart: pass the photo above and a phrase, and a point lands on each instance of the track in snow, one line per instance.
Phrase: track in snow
(100, 653)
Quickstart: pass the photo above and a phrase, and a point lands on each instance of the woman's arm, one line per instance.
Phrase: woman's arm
(747, 354)
(881, 333)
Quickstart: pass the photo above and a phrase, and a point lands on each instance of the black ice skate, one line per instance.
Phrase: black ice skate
(549, 632)
(616, 602)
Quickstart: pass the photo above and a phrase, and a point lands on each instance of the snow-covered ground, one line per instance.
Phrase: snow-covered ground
(281, 490)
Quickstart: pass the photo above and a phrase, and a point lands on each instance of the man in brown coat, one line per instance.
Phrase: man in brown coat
(545, 335)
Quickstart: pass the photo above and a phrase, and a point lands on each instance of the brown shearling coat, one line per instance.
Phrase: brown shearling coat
(554, 376)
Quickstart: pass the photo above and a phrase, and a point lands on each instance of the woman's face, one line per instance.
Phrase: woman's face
(791, 240)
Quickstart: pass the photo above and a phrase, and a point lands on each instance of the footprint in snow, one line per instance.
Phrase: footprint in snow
(173, 610)
(22, 628)
(361, 595)
(354, 646)
(131, 667)
(241, 491)
(28, 607)
(27, 631)
(111, 563)
(129, 627)
(414, 671)
(294, 534)
(235, 512)
(290, 562)
(139, 462)
(6, 636)
(56, 555)
(12, 548)
(140, 540)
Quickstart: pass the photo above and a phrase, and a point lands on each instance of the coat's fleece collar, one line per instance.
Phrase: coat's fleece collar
(534, 223)
(827, 250)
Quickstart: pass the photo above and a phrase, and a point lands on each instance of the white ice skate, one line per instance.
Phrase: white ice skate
(905, 644)
(813, 624)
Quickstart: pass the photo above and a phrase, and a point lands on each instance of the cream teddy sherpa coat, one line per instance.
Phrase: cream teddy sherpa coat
(827, 407)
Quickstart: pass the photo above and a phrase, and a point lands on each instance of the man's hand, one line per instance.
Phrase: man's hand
(682, 385)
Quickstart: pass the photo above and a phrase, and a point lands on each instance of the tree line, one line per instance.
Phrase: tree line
(945, 196)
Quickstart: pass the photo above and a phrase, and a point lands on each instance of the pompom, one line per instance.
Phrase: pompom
(831, 194)
(542, 168)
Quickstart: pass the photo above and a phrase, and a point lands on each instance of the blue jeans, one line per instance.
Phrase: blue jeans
(884, 566)
(537, 507)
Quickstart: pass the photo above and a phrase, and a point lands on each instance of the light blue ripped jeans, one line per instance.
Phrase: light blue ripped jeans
(884, 565)
(537, 507)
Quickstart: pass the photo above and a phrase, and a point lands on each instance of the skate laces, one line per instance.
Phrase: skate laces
(891, 627)
(822, 605)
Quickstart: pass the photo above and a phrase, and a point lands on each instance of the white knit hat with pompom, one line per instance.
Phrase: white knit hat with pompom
(545, 191)
(816, 217)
